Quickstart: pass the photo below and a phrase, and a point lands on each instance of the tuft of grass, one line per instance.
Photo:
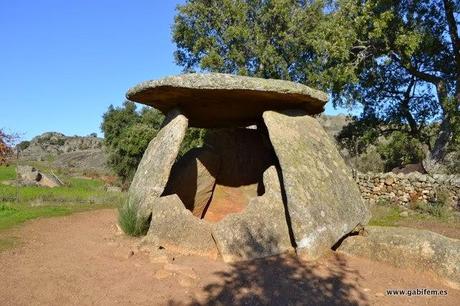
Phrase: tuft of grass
(435, 209)
(129, 221)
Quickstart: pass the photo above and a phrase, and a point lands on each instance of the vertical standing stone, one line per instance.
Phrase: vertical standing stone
(153, 171)
(323, 201)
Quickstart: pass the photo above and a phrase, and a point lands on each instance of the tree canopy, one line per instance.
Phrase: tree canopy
(397, 60)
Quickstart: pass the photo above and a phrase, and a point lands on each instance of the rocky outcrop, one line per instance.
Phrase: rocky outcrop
(260, 230)
(205, 98)
(30, 176)
(409, 189)
(407, 247)
(61, 151)
(154, 169)
(323, 201)
(174, 227)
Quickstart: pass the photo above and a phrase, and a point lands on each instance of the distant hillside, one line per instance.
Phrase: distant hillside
(80, 152)
(333, 124)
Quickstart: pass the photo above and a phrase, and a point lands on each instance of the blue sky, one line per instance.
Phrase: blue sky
(62, 63)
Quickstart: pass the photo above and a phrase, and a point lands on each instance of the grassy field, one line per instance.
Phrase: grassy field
(18, 205)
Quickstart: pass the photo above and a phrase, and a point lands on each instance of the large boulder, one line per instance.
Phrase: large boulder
(154, 169)
(30, 176)
(323, 201)
(407, 247)
(193, 179)
(260, 230)
(175, 228)
(222, 100)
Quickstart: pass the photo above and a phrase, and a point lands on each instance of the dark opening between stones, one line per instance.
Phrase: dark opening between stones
(221, 177)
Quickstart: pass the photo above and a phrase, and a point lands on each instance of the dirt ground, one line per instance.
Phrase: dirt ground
(83, 259)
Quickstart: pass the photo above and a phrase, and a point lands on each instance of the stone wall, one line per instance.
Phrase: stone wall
(408, 189)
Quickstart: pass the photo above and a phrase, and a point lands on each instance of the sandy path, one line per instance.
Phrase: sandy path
(81, 260)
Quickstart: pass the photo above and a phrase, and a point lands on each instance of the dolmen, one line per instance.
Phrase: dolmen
(267, 179)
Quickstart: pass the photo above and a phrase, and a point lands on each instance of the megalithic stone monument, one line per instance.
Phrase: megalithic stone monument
(267, 180)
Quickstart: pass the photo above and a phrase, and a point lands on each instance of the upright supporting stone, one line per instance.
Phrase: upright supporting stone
(260, 230)
(153, 171)
(175, 228)
(323, 201)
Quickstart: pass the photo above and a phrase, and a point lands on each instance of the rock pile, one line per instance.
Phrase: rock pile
(284, 183)
(404, 189)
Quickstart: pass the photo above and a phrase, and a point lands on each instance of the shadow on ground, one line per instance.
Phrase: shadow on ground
(284, 280)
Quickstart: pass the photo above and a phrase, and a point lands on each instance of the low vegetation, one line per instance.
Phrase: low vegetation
(385, 213)
(129, 222)
(19, 204)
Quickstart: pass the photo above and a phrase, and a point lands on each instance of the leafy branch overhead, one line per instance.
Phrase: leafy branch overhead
(398, 61)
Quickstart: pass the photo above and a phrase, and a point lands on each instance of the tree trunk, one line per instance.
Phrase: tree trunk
(433, 162)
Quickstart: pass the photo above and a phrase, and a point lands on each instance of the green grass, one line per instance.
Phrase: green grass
(77, 195)
(385, 215)
(76, 190)
(129, 221)
(12, 214)
(7, 173)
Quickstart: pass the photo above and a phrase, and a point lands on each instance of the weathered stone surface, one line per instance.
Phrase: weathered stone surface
(30, 176)
(323, 201)
(260, 230)
(153, 171)
(193, 179)
(245, 154)
(175, 228)
(407, 247)
(223, 100)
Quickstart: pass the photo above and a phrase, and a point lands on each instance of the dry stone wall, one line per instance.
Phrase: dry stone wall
(408, 189)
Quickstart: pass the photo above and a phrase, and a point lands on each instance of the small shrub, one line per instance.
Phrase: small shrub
(129, 221)
(438, 208)
(401, 149)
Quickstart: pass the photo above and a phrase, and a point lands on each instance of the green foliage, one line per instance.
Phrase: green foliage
(128, 132)
(267, 39)
(398, 60)
(7, 173)
(399, 150)
(438, 208)
(129, 222)
(192, 139)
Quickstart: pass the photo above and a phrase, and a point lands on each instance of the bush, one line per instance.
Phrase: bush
(129, 222)
(369, 161)
(400, 150)
(128, 132)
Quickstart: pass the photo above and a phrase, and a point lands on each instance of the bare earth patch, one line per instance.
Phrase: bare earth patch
(82, 259)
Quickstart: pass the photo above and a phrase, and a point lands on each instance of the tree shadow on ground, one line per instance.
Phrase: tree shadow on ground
(284, 280)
